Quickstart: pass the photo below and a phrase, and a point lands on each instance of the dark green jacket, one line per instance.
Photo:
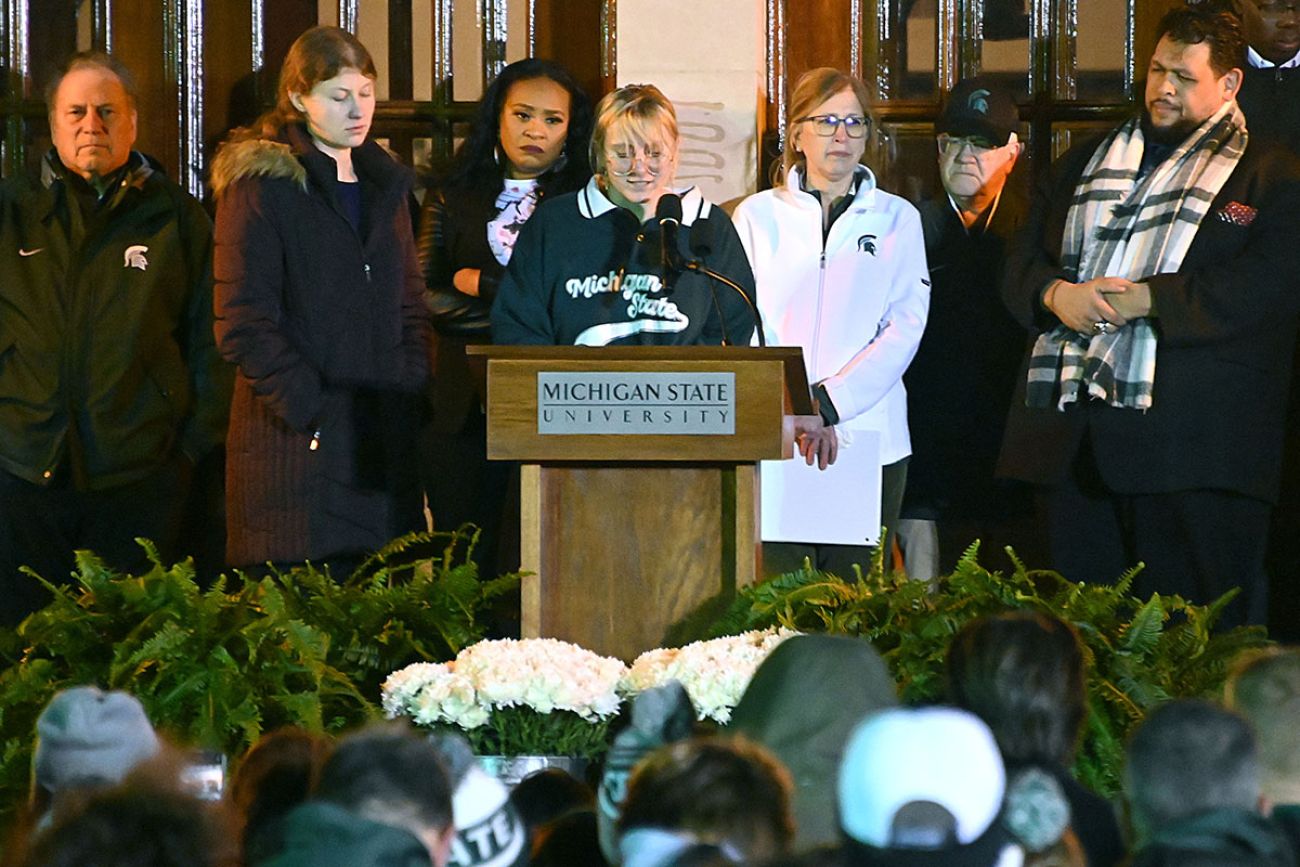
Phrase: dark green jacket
(107, 358)
(318, 834)
(1219, 838)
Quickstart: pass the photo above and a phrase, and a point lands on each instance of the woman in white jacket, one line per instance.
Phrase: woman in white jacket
(841, 271)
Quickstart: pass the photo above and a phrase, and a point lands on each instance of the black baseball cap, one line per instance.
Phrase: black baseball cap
(979, 106)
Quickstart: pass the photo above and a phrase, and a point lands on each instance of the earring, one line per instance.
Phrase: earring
(496, 154)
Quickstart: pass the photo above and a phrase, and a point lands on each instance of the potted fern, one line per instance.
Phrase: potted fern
(1139, 652)
(217, 667)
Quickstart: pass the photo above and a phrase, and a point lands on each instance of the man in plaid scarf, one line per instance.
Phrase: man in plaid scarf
(1159, 272)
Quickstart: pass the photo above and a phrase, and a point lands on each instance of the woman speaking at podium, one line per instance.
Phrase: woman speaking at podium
(607, 264)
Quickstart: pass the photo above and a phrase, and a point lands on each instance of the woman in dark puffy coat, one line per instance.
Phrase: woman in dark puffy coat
(528, 142)
(318, 301)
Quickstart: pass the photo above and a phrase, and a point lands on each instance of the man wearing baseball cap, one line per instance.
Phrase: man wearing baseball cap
(921, 787)
(959, 386)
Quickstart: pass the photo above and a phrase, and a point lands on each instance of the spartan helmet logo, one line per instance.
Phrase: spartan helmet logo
(867, 244)
(134, 257)
(978, 101)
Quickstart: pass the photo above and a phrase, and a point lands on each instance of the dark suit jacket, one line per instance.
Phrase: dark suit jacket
(1226, 326)
(1270, 99)
(962, 378)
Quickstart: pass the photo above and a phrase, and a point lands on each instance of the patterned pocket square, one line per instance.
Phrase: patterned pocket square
(1237, 214)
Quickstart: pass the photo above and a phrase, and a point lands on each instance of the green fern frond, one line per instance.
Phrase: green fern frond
(1142, 633)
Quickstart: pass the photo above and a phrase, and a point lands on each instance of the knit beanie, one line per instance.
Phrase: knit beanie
(86, 736)
(489, 833)
(660, 716)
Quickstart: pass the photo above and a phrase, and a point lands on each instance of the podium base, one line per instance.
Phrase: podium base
(622, 553)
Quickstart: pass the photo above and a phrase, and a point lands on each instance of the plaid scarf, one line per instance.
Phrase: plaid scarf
(1120, 226)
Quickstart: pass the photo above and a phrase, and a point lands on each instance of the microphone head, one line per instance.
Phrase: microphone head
(669, 208)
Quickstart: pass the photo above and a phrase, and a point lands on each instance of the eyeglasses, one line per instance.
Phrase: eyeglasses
(855, 125)
(977, 143)
(622, 161)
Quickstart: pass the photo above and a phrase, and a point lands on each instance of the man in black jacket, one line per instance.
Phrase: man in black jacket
(110, 384)
(1158, 273)
(964, 373)
(1270, 99)
(1270, 93)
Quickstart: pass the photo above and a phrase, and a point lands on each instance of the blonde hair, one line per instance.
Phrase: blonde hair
(642, 112)
(812, 89)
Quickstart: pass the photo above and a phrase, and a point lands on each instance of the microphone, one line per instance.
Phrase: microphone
(701, 243)
(668, 214)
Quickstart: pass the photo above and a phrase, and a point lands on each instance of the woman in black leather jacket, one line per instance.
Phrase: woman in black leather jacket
(528, 141)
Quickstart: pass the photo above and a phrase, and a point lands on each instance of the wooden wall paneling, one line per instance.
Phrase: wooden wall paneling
(804, 36)
(817, 33)
(13, 87)
(232, 58)
(401, 81)
(183, 52)
(495, 32)
(52, 37)
(772, 139)
(568, 32)
(608, 45)
(1039, 147)
(282, 22)
(855, 38)
(349, 15)
(970, 38)
(880, 49)
(1065, 51)
(101, 24)
(1147, 15)
(949, 34)
(442, 72)
(1131, 50)
(435, 120)
(138, 37)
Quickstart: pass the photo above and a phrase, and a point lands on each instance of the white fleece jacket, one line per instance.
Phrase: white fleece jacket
(857, 304)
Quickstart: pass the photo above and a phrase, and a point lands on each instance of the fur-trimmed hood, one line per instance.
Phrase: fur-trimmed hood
(255, 157)
(291, 155)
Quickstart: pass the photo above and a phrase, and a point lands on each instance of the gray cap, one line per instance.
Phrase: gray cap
(86, 736)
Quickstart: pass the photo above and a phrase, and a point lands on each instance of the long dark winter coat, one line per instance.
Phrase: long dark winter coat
(328, 330)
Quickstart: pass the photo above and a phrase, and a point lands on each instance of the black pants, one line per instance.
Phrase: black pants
(1197, 544)
(463, 486)
(41, 527)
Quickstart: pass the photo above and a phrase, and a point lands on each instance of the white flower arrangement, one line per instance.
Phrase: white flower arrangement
(714, 672)
(538, 696)
(541, 696)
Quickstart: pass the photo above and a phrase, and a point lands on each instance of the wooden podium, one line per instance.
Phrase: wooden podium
(639, 479)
